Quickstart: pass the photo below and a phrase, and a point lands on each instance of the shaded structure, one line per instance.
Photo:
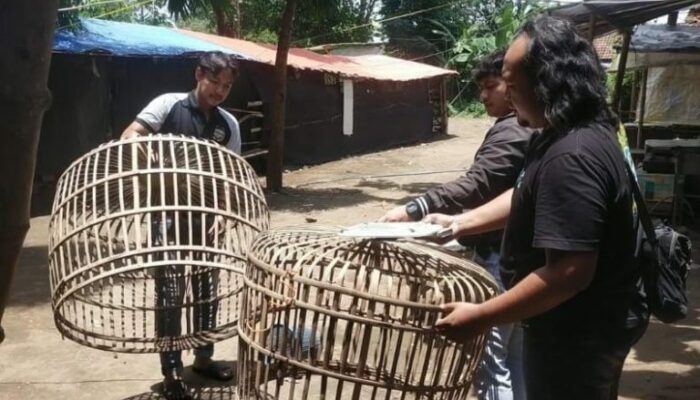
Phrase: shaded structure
(326, 316)
(103, 75)
(598, 17)
(595, 18)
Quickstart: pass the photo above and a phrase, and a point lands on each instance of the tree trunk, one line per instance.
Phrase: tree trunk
(26, 28)
(237, 9)
(275, 157)
(224, 27)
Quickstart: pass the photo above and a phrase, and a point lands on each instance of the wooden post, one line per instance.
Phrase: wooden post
(26, 28)
(275, 157)
(621, 67)
(672, 19)
(635, 94)
(591, 28)
(642, 105)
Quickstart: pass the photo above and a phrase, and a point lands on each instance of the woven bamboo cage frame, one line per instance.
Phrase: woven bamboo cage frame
(330, 317)
(147, 243)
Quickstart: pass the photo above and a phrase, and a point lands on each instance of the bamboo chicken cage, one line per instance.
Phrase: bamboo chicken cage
(148, 241)
(325, 316)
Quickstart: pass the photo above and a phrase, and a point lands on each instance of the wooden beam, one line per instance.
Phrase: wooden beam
(621, 67)
(591, 27)
(275, 159)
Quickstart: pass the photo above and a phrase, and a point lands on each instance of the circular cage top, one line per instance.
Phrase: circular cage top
(148, 240)
(357, 311)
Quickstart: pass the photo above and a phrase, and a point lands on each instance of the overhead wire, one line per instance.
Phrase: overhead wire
(89, 4)
(502, 28)
(112, 12)
(372, 23)
(604, 2)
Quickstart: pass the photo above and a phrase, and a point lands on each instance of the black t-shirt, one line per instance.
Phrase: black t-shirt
(574, 194)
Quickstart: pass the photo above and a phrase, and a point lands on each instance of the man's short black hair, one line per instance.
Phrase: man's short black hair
(216, 61)
(489, 65)
(566, 75)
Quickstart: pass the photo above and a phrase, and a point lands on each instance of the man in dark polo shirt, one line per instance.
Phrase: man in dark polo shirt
(496, 165)
(568, 247)
(197, 114)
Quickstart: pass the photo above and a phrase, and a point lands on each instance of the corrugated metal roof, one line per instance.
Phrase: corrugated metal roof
(125, 39)
(617, 14)
(663, 38)
(367, 67)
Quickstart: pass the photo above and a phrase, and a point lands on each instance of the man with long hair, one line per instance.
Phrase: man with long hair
(568, 246)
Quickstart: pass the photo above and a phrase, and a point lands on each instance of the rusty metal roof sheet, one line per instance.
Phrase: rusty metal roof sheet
(378, 67)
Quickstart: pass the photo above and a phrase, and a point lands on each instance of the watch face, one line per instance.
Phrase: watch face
(413, 211)
(411, 208)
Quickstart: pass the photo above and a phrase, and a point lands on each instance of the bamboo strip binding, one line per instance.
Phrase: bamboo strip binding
(148, 241)
(336, 318)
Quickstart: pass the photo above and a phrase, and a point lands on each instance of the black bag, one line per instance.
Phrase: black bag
(664, 257)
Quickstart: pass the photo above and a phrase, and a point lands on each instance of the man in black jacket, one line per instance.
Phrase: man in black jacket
(496, 166)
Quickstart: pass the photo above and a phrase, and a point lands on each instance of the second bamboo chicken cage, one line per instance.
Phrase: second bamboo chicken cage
(324, 316)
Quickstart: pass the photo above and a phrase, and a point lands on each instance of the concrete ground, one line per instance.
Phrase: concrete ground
(35, 363)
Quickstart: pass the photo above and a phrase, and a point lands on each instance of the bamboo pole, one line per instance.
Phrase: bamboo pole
(26, 28)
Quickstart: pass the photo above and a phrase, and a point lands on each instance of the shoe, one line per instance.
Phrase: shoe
(212, 369)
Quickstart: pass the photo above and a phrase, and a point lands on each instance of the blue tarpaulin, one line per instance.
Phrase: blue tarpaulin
(125, 39)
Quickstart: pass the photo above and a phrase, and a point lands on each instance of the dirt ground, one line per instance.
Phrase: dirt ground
(36, 364)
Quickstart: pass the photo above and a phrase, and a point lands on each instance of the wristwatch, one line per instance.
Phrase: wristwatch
(414, 211)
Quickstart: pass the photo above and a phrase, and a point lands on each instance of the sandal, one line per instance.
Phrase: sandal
(212, 369)
(174, 388)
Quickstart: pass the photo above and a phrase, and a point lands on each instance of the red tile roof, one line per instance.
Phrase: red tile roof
(604, 46)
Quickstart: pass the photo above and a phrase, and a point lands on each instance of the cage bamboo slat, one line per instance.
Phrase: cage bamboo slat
(147, 244)
(325, 316)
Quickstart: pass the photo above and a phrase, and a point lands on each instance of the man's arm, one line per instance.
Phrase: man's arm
(570, 217)
(134, 129)
(565, 274)
(496, 166)
(491, 216)
(234, 142)
(152, 117)
(495, 169)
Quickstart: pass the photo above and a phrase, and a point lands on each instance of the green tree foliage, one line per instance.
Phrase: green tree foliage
(455, 34)
(418, 35)
(137, 11)
(492, 27)
(316, 21)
